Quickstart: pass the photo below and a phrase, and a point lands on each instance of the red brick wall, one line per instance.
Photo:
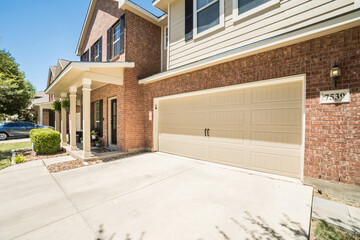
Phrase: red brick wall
(106, 13)
(332, 139)
(143, 46)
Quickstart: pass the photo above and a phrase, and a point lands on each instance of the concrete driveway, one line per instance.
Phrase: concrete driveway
(151, 196)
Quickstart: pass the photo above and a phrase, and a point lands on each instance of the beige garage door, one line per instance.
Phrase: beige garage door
(258, 128)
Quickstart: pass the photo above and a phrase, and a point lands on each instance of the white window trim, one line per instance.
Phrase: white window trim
(166, 42)
(262, 7)
(212, 29)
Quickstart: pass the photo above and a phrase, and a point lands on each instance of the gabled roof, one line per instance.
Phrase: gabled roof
(40, 97)
(51, 75)
(53, 70)
(125, 5)
(60, 66)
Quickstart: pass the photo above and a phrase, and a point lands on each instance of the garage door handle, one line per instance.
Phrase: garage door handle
(205, 132)
(208, 132)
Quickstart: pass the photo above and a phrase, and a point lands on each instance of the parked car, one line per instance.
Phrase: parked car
(17, 129)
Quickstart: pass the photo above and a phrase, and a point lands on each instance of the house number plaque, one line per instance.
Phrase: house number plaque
(335, 96)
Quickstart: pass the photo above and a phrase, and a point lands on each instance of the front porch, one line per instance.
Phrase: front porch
(75, 83)
(96, 153)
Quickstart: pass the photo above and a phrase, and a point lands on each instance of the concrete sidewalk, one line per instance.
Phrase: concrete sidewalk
(343, 216)
(15, 140)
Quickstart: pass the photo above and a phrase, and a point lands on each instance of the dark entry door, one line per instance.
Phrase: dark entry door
(113, 121)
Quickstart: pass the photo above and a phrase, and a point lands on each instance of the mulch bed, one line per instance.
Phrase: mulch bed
(30, 155)
(124, 155)
(63, 166)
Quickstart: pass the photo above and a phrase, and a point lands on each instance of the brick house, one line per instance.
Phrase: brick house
(270, 86)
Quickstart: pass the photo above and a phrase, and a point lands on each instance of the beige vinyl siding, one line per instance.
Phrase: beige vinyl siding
(287, 16)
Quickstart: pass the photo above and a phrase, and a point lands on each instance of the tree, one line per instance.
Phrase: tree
(16, 93)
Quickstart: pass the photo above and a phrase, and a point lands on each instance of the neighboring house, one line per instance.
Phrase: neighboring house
(227, 81)
(41, 108)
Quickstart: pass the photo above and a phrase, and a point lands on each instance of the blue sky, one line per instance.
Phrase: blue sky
(38, 32)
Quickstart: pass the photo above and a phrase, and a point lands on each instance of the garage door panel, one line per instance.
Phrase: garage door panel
(235, 117)
(290, 116)
(228, 99)
(184, 131)
(183, 117)
(276, 139)
(227, 156)
(256, 128)
(277, 93)
(226, 135)
(287, 165)
(192, 102)
(186, 146)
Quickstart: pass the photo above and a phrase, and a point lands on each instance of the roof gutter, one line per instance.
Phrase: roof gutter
(325, 27)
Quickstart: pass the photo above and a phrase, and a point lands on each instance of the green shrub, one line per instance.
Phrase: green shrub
(19, 158)
(45, 140)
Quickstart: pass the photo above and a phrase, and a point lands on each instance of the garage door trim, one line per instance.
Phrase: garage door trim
(268, 82)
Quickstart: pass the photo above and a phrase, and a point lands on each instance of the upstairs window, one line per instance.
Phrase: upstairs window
(118, 38)
(85, 56)
(209, 16)
(97, 52)
(188, 19)
(246, 8)
(115, 39)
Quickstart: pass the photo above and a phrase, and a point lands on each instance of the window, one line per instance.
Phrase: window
(85, 56)
(246, 8)
(28, 124)
(188, 19)
(97, 52)
(116, 39)
(97, 117)
(166, 37)
(209, 16)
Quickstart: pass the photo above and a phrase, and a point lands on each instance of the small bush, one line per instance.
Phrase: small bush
(45, 140)
(19, 158)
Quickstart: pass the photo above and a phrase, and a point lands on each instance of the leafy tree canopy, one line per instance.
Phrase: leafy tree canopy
(16, 93)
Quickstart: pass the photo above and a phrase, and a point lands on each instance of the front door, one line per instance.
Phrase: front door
(113, 121)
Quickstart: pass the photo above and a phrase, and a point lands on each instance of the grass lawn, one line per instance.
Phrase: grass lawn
(321, 230)
(5, 152)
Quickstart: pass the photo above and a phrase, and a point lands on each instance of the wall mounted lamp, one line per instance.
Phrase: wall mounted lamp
(335, 73)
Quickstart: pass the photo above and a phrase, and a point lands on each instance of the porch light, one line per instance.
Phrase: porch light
(335, 73)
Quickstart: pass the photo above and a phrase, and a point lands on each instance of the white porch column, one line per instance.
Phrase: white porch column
(57, 118)
(63, 121)
(41, 115)
(72, 91)
(86, 83)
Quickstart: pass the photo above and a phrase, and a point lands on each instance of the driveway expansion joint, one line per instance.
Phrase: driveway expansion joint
(72, 203)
